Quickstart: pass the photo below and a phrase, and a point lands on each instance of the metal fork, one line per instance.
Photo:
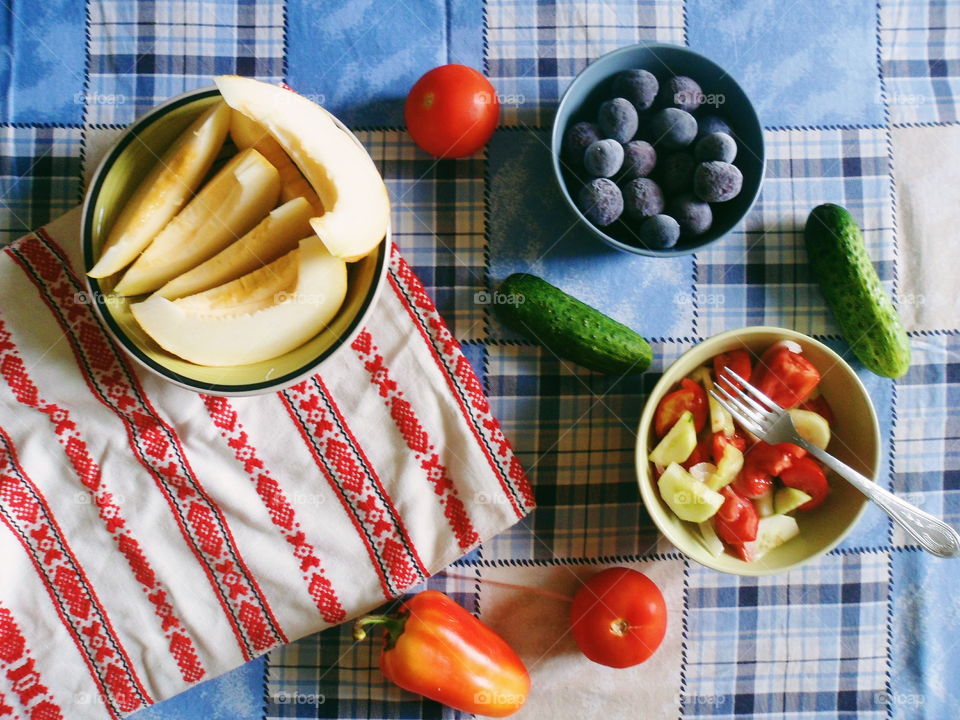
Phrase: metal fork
(758, 414)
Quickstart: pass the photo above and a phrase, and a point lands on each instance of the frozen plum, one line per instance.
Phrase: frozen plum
(716, 146)
(639, 159)
(659, 232)
(638, 86)
(692, 215)
(601, 201)
(577, 139)
(617, 119)
(709, 124)
(675, 172)
(681, 92)
(603, 158)
(642, 198)
(672, 128)
(717, 181)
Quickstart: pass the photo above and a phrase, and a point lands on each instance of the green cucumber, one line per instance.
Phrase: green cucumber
(772, 532)
(788, 499)
(849, 282)
(678, 444)
(569, 328)
(689, 499)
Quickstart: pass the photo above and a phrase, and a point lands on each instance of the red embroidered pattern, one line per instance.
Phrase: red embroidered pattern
(26, 515)
(19, 668)
(25, 390)
(463, 383)
(417, 440)
(224, 417)
(154, 443)
(341, 460)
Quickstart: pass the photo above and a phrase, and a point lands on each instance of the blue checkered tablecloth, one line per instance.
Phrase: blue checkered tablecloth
(860, 105)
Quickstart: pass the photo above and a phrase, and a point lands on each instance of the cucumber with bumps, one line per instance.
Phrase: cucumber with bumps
(849, 283)
(569, 328)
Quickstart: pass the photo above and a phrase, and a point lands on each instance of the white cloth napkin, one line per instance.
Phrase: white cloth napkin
(153, 537)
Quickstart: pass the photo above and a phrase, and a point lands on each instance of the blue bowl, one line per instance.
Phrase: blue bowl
(593, 85)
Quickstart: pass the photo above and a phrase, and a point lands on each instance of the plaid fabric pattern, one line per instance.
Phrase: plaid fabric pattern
(920, 45)
(144, 52)
(837, 638)
(535, 49)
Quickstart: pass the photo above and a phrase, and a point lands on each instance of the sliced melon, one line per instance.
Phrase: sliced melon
(357, 208)
(788, 499)
(772, 532)
(812, 427)
(689, 499)
(246, 134)
(277, 234)
(164, 190)
(226, 208)
(255, 317)
(678, 443)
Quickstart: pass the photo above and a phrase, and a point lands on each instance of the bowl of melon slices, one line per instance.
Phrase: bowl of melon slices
(235, 237)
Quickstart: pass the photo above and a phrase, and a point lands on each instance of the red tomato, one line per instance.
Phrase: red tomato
(752, 482)
(736, 360)
(700, 454)
(452, 111)
(736, 521)
(807, 475)
(618, 617)
(784, 376)
(820, 406)
(773, 459)
(691, 396)
(720, 441)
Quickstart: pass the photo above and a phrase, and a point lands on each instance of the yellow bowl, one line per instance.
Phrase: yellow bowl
(855, 441)
(112, 184)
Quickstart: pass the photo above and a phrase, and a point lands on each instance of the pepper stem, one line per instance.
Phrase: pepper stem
(392, 626)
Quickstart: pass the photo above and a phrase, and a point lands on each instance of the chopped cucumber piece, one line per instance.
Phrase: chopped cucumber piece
(764, 504)
(677, 444)
(788, 499)
(708, 536)
(812, 427)
(689, 499)
(730, 464)
(772, 532)
(720, 419)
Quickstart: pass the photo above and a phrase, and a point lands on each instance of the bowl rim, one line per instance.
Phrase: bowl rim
(93, 285)
(556, 141)
(642, 465)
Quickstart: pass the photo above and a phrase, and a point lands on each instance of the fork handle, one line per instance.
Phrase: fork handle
(933, 534)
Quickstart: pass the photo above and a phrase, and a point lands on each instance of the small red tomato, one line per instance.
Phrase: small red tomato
(785, 376)
(700, 454)
(773, 459)
(737, 360)
(736, 520)
(452, 111)
(720, 441)
(752, 482)
(820, 406)
(690, 396)
(618, 617)
(807, 475)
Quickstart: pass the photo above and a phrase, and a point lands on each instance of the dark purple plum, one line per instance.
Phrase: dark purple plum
(577, 139)
(617, 119)
(642, 198)
(672, 128)
(638, 86)
(709, 124)
(716, 146)
(659, 232)
(675, 172)
(603, 158)
(692, 215)
(601, 201)
(639, 159)
(717, 181)
(681, 92)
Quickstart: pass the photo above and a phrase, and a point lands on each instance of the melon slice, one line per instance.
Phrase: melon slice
(278, 233)
(256, 317)
(164, 190)
(226, 208)
(357, 208)
(245, 133)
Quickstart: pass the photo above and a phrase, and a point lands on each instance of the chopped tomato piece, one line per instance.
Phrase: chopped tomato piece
(690, 396)
(820, 406)
(773, 459)
(736, 521)
(700, 454)
(752, 482)
(807, 475)
(784, 376)
(720, 441)
(737, 360)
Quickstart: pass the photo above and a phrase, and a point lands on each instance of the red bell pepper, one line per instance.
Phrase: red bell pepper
(435, 648)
